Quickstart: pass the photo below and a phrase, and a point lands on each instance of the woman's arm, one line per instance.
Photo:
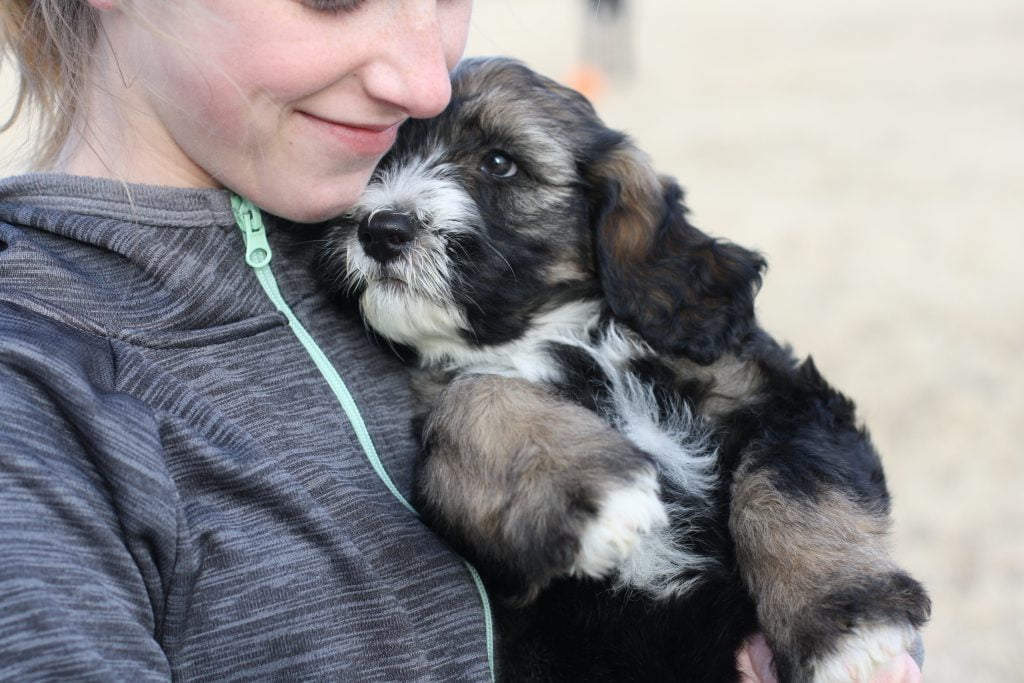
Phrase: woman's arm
(81, 575)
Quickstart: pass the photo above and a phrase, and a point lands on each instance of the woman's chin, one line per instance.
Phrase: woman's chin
(314, 201)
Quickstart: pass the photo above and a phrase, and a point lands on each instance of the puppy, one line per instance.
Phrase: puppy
(640, 472)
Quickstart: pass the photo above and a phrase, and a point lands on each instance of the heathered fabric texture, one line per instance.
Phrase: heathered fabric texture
(180, 493)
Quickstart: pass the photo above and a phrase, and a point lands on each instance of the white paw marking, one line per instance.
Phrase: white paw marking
(625, 517)
(861, 653)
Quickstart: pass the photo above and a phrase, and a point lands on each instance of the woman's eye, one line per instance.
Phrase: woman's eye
(333, 6)
(498, 164)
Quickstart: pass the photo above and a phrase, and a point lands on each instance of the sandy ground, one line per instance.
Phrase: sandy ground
(874, 151)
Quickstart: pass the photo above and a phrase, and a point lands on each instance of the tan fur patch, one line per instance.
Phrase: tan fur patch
(629, 229)
(565, 270)
(793, 553)
(735, 383)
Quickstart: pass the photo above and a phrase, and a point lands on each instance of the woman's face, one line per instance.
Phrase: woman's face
(290, 103)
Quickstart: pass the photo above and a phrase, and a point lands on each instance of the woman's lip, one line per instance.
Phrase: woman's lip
(365, 139)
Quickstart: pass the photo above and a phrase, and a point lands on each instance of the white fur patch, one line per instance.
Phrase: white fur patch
(685, 455)
(860, 654)
(404, 315)
(625, 517)
(526, 357)
(679, 441)
(423, 188)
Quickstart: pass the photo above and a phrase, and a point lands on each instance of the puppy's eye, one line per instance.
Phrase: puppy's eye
(498, 164)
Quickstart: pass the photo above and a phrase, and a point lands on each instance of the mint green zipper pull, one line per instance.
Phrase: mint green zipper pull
(257, 248)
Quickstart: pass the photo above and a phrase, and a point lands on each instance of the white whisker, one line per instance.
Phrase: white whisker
(502, 257)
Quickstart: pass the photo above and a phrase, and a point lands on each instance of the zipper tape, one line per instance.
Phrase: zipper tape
(258, 255)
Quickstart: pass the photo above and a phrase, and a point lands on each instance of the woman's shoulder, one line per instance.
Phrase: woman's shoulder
(46, 362)
(106, 198)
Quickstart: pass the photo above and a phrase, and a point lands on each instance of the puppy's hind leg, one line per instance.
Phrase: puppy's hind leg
(531, 487)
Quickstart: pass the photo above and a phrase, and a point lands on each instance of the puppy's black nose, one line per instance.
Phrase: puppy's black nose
(384, 234)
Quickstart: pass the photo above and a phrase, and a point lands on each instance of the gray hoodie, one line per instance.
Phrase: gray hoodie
(181, 494)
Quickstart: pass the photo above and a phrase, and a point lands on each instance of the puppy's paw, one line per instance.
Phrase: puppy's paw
(869, 655)
(625, 515)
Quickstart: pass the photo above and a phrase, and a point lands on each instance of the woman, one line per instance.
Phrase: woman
(181, 494)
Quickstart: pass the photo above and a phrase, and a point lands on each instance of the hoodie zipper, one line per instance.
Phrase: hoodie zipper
(258, 255)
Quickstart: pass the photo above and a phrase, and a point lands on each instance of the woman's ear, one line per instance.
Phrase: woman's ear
(683, 291)
(103, 5)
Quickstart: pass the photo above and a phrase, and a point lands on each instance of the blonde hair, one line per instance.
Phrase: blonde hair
(50, 43)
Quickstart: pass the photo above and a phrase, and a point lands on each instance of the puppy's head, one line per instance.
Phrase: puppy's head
(517, 199)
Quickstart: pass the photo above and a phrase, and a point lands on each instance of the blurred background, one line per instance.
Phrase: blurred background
(874, 152)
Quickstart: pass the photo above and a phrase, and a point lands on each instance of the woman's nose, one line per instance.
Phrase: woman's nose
(411, 72)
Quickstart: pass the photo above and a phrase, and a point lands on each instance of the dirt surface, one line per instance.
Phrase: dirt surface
(874, 152)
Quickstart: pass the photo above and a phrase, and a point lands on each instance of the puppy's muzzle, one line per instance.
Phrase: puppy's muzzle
(384, 235)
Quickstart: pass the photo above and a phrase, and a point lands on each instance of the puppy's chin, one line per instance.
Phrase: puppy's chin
(407, 317)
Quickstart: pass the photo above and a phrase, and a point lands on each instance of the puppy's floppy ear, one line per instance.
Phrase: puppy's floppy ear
(683, 291)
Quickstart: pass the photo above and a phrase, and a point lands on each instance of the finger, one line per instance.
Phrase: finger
(754, 661)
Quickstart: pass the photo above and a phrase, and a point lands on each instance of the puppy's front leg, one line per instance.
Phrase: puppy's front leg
(833, 604)
(530, 487)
